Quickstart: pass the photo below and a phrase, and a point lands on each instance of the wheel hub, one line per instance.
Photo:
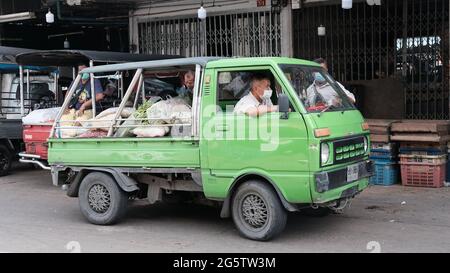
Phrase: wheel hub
(254, 211)
(99, 198)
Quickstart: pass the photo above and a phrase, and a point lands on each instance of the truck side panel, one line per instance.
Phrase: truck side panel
(125, 152)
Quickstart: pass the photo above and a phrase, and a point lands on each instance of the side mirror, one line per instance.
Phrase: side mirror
(283, 106)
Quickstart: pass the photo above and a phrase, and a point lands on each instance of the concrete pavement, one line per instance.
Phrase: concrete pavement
(38, 217)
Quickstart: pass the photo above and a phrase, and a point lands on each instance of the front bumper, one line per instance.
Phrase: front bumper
(329, 180)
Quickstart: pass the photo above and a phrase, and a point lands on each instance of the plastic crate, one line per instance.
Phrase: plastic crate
(385, 174)
(423, 159)
(423, 171)
(380, 154)
(423, 145)
(392, 152)
(422, 151)
(383, 146)
(383, 160)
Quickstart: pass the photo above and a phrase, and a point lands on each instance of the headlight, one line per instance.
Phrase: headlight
(324, 153)
(366, 144)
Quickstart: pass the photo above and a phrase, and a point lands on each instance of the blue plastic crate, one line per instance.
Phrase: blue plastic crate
(383, 160)
(376, 154)
(391, 152)
(385, 174)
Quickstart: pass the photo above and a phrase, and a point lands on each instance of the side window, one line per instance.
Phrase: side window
(233, 86)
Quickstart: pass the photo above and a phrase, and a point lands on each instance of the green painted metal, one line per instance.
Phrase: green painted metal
(289, 161)
(124, 152)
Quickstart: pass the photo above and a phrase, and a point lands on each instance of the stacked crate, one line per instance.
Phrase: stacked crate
(423, 151)
(383, 153)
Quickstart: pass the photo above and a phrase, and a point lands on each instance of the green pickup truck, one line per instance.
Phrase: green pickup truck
(309, 154)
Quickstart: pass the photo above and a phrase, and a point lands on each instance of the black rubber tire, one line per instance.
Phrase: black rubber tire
(5, 160)
(118, 199)
(276, 214)
(319, 212)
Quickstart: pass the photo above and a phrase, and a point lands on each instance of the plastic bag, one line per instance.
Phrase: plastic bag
(127, 131)
(159, 112)
(169, 111)
(41, 116)
(71, 133)
(155, 131)
(180, 114)
(71, 119)
(126, 112)
(103, 123)
(181, 131)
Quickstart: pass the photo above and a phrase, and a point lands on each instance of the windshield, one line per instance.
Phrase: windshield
(316, 89)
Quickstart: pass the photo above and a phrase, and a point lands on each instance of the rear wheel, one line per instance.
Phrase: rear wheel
(101, 200)
(257, 211)
(5, 160)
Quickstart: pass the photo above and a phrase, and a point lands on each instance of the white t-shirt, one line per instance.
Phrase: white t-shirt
(249, 101)
(326, 91)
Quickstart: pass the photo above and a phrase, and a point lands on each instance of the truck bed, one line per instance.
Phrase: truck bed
(125, 152)
(11, 128)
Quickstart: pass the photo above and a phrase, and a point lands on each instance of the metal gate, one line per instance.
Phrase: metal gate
(235, 34)
(405, 39)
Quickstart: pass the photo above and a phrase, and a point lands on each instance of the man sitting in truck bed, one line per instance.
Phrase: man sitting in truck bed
(186, 91)
(82, 100)
(258, 101)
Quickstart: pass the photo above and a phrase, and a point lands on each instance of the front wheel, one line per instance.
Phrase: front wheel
(257, 211)
(101, 200)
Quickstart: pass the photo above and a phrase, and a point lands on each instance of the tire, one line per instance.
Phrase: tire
(5, 160)
(100, 185)
(319, 212)
(253, 194)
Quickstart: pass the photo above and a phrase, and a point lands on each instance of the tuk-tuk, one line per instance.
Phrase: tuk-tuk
(23, 89)
(67, 61)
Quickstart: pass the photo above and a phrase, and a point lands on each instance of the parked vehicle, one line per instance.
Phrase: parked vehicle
(307, 156)
(23, 89)
(35, 135)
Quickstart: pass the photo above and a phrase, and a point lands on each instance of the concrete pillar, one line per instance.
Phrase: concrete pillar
(286, 32)
(133, 34)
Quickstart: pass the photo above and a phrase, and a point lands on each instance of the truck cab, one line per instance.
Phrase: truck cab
(309, 154)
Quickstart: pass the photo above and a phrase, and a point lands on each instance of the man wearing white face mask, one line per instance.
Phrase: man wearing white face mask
(258, 101)
(321, 91)
(323, 63)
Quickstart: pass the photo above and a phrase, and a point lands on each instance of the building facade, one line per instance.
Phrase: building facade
(231, 28)
(395, 56)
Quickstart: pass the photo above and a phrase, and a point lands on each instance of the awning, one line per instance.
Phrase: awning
(77, 57)
(14, 68)
(8, 54)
